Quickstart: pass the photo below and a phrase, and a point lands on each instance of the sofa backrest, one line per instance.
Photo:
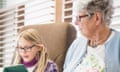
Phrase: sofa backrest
(57, 37)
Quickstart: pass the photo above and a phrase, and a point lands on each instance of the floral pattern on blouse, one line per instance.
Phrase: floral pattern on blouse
(91, 63)
(51, 67)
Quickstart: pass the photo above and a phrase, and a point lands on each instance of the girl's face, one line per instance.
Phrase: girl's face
(27, 50)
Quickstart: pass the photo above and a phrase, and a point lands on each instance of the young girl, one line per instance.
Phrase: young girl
(31, 52)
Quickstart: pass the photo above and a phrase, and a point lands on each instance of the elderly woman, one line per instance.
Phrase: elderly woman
(98, 50)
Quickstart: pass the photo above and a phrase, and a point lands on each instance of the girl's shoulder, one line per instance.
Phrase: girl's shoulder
(51, 66)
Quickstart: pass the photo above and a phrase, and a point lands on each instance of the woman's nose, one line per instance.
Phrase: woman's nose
(76, 22)
(79, 24)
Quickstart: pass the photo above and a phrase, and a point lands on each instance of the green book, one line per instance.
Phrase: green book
(16, 68)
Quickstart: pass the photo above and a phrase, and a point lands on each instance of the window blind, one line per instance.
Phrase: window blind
(116, 16)
(67, 11)
(7, 35)
(2, 3)
(40, 12)
(10, 21)
(14, 17)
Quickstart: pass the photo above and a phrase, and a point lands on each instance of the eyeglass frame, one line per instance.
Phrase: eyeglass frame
(82, 16)
(25, 49)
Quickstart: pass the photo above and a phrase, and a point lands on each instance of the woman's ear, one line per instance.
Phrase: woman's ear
(98, 18)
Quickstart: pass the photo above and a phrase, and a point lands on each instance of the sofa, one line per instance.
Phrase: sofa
(58, 38)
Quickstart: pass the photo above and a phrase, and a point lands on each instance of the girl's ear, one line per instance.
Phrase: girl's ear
(40, 46)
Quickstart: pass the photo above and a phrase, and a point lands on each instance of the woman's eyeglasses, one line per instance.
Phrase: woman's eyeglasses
(27, 49)
(82, 16)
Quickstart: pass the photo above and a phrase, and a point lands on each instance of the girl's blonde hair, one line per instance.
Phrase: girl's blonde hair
(33, 36)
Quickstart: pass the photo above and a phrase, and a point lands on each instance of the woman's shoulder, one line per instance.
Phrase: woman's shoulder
(116, 33)
(51, 66)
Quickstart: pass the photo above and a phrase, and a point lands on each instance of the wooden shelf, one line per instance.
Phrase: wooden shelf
(68, 2)
(67, 11)
(67, 17)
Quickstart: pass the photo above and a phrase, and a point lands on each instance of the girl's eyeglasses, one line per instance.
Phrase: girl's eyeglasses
(27, 49)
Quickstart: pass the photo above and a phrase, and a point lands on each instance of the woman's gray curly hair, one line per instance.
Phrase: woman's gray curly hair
(91, 6)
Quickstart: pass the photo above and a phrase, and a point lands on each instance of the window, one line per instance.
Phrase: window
(14, 17)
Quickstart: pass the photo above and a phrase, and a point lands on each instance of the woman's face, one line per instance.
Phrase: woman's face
(86, 24)
(27, 50)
